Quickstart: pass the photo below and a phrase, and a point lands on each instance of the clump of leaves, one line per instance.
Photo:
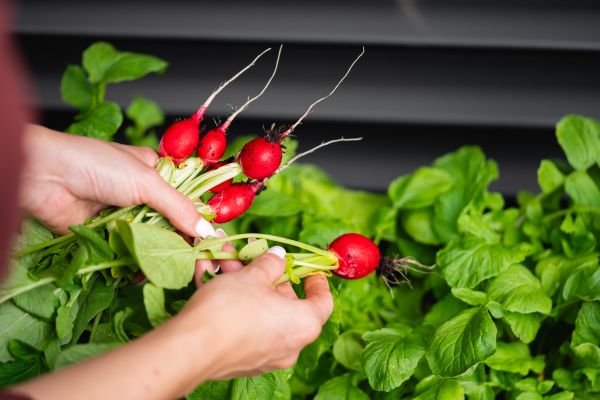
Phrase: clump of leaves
(84, 87)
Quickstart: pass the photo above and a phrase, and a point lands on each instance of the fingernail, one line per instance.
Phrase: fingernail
(251, 240)
(220, 233)
(278, 251)
(205, 228)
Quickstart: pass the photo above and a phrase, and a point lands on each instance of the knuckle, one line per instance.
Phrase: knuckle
(148, 155)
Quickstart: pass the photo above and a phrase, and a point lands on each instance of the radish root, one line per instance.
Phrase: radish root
(250, 100)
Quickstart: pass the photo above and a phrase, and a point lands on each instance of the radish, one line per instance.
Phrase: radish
(181, 138)
(357, 255)
(224, 185)
(212, 144)
(233, 201)
(261, 157)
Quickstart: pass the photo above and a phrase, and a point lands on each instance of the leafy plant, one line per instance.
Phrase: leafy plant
(84, 87)
(512, 309)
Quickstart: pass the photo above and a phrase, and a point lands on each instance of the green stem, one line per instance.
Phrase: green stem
(69, 237)
(302, 272)
(95, 326)
(214, 241)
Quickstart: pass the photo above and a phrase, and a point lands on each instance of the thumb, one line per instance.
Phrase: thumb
(268, 267)
(177, 208)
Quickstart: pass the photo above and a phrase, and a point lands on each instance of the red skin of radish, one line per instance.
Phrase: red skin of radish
(222, 186)
(212, 146)
(357, 255)
(232, 202)
(260, 158)
(180, 139)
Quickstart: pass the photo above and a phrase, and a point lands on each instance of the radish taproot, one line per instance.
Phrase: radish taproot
(233, 201)
(261, 157)
(181, 138)
(213, 143)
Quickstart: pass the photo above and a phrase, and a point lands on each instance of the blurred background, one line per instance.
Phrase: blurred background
(437, 74)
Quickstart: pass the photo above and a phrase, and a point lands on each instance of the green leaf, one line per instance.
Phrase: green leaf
(443, 310)
(583, 283)
(341, 387)
(587, 324)
(211, 390)
(582, 189)
(468, 262)
(348, 349)
(81, 352)
(418, 224)
(41, 302)
(144, 113)
(17, 324)
(524, 326)
(462, 342)
(64, 324)
(154, 301)
(275, 204)
(105, 64)
(518, 290)
(435, 388)
(391, 358)
(580, 139)
(99, 249)
(271, 385)
(515, 357)
(322, 231)
(13, 372)
(75, 89)
(419, 189)
(549, 176)
(472, 173)
(469, 296)
(100, 122)
(164, 256)
(97, 299)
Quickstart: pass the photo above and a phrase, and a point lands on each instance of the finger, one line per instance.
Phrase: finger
(285, 289)
(177, 208)
(201, 266)
(228, 265)
(269, 266)
(318, 296)
(145, 154)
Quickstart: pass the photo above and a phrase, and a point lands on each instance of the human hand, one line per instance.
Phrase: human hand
(69, 178)
(253, 326)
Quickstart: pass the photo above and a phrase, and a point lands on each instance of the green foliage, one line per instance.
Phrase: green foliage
(84, 87)
(511, 310)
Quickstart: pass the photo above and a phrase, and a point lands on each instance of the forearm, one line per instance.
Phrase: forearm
(164, 364)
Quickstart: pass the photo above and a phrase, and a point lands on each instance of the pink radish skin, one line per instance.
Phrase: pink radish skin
(357, 256)
(212, 146)
(233, 201)
(222, 186)
(180, 139)
(260, 158)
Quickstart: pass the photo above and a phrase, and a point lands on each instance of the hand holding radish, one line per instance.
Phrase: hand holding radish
(266, 326)
(71, 178)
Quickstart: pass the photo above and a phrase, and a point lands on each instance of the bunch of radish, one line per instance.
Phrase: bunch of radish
(350, 256)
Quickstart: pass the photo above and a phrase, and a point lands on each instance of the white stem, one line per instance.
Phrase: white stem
(247, 103)
(312, 106)
(307, 152)
(202, 109)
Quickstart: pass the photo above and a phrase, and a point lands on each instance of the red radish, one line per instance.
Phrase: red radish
(260, 158)
(357, 256)
(233, 201)
(213, 143)
(268, 150)
(222, 186)
(181, 138)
